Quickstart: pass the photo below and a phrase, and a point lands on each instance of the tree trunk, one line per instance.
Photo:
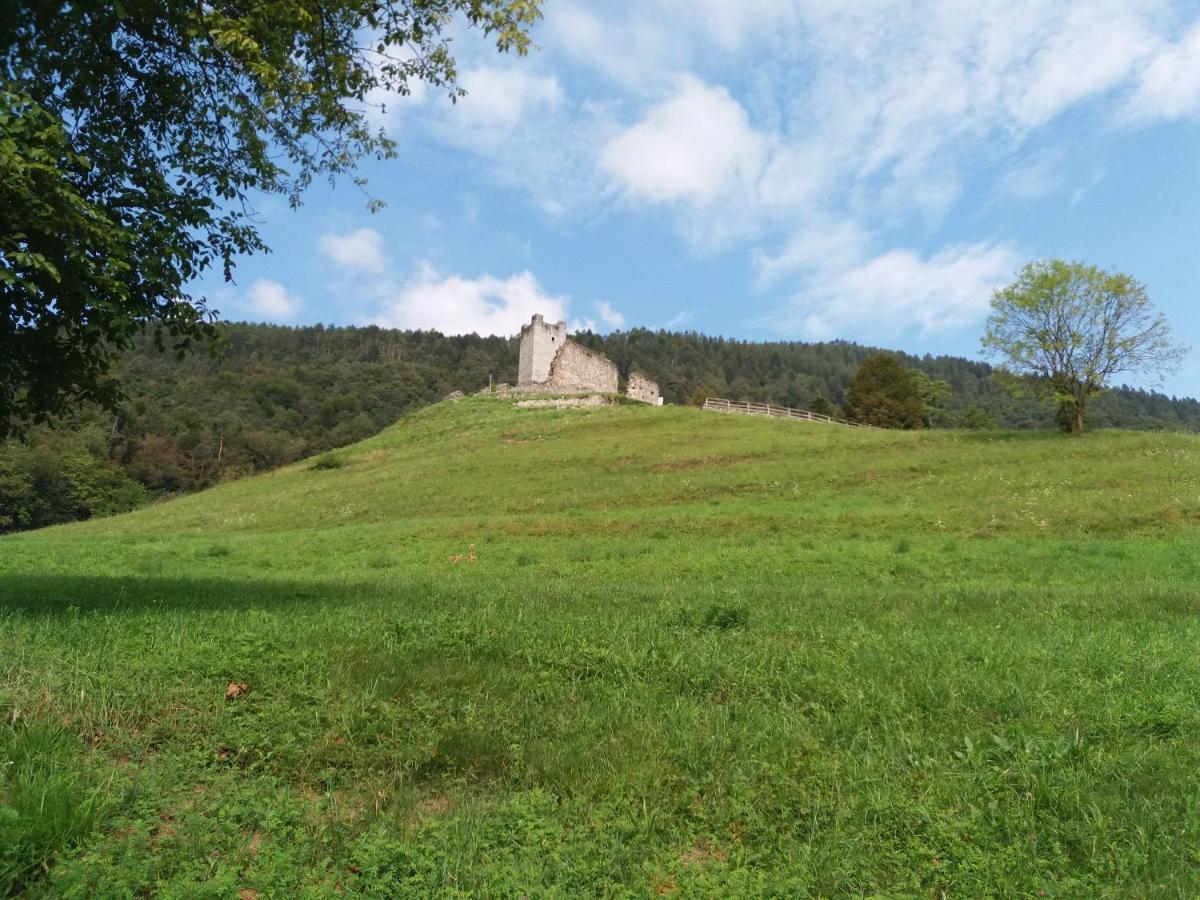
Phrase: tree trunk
(1077, 415)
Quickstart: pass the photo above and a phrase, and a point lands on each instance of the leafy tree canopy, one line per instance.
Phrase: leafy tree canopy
(135, 134)
(884, 393)
(934, 394)
(1073, 326)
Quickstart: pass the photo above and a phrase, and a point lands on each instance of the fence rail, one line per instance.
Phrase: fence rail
(716, 404)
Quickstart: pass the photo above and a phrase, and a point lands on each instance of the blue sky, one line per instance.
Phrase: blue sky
(767, 169)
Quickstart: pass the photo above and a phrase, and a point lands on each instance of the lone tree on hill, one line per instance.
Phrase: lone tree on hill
(134, 136)
(1073, 326)
(884, 393)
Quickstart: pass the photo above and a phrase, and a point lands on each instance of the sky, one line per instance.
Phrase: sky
(766, 170)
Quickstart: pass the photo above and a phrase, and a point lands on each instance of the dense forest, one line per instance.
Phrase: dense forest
(279, 394)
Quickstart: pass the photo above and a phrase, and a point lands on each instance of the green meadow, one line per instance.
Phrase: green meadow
(695, 655)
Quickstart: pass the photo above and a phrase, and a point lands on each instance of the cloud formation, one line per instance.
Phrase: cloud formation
(862, 117)
(501, 98)
(271, 301)
(695, 145)
(609, 316)
(809, 136)
(900, 291)
(359, 250)
(453, 304)
(1169, 87)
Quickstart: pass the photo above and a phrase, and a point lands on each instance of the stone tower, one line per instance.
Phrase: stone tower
(540, 344)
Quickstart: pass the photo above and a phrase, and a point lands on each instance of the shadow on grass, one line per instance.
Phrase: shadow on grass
(69, 594)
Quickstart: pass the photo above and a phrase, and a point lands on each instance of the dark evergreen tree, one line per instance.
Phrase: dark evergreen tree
(884, 393)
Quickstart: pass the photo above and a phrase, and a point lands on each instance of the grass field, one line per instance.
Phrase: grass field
(696, 655)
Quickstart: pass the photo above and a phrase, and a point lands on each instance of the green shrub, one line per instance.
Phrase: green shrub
(328, 461)
(723, 618)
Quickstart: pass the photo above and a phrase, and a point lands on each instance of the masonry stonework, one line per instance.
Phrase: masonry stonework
(642, 388)
(576, 368)
(540, 343)
(551, 362)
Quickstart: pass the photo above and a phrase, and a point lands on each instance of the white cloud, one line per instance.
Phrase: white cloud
(608, 315)
(808, 132)
(456, 305)
(822, 245)
(272, 301)
(657, 37)
(522, 126)
(880, 109)
(1169, 87)
(607, 319)
(361, 249)
(693, 146)
(500, 99)
(678, 320)
(588, 37)
(899, 292)
(1091, 50)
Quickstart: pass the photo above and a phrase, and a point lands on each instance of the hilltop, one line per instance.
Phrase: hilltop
(282, 394)
(695, 654)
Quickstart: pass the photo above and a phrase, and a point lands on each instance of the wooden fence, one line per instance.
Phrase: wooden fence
(716, 404)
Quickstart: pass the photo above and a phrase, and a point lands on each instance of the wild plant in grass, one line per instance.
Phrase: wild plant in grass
(468, 557)
(723, 618)
(46, 802)
(328, 461)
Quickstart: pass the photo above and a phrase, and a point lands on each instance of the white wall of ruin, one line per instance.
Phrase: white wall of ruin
(642, 388)
(577, 368)
(540, 343)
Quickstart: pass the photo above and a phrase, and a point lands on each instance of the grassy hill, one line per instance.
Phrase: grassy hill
(280, 394)
(696, 655)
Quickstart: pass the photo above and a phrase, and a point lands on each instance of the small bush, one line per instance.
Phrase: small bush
(328, 461)
(904, 545)
(723, 618)
(526, 559)
(217, 551)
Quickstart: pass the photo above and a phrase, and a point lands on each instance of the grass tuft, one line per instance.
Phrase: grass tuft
(723, 618)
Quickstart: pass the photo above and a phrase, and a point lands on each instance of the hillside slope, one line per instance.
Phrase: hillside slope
(533, 469)
(282, 393)
(695, 653)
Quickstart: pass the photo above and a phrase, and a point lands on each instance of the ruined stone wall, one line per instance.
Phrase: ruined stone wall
(577, 368)
(540, 343)
(642, 388)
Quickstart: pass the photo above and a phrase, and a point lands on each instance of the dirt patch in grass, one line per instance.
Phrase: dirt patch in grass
(255, 844)
(686, 465)
(433, 806)
(702, 853)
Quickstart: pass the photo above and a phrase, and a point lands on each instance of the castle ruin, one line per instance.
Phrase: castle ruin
(552, 362)
(642, 388)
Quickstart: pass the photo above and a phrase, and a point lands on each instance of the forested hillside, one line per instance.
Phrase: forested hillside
(280, 394)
